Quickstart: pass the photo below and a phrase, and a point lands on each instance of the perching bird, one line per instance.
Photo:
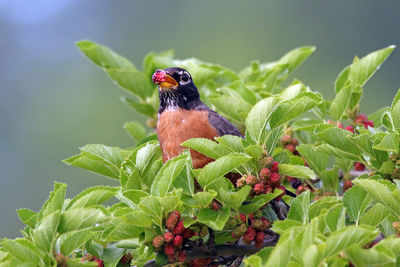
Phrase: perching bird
(182, 115)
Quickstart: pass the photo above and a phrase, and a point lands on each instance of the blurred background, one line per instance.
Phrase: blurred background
(53, 100)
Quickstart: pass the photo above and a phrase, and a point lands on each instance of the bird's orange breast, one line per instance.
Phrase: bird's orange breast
(178, 125)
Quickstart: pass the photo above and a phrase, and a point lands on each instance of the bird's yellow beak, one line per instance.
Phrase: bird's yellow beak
(164, 81)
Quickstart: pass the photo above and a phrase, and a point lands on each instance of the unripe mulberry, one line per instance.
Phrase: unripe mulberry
(396, 173)
(274, 166)
(286, 139)
(173, 219)
(358, 166)
(178, 240)
(269, 160)
(179, 228)
(300, 189)
(265, 224)
(168, 237)
(250, 235)
(241, 182)
(257, 223)
(169, 249)
(251, 180)
(158, 241)
(239, 231)
(393, 157)
(203, 231)
(265, 174)
(259, 188)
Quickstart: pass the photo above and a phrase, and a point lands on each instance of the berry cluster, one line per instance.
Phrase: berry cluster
(363, 120)
(266, 182)
(251, 230)
(171, 243)
(90, 257)
(290, 143)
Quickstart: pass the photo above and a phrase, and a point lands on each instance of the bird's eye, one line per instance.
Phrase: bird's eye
(185, 78)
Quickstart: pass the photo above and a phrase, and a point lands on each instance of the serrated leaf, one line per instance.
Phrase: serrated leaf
(165, 178)
(45, 232)
(299, 208)
(22, 249)
(132, 81)
(375, 215)
(141, 107)
(296, 171)
(356, 200)
(206, 147)
(136, 130)
(340, 103)
(235, 199)
(258, 118)
(146, 157)
(80, 218)
(214, 219)
(380, 193)
(321, 205)
(390, 143)
(92, 196)
(55, 201)
(112, 255)
(258, 201)
(71, 241)
(203, 199)
(330, 179)
(99, 159)
(151, 205)
(28, 217)
(214, 170)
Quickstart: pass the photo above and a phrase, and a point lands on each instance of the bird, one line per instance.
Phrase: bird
(182, 116)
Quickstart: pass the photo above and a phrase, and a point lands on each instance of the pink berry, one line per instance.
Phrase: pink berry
(350, 128)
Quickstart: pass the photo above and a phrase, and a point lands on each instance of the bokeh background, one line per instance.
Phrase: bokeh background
(53, 100)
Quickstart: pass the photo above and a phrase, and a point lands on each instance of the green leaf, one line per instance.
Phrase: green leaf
(387, 167)
(356, 200)
(136, 130)
(133, 81)
(152, 206)
(146, 157)
(55, 201)
(235, 199)
(347, 237)
(141, 107)
(103, 56)
(185, 180)
(370, 257)
(296, 171)
(214, 170)
(206, 147)
(204, 198)
(80, 218)
(112, 255)
(162, 183)
(299, 208)
(390, 143)
(293, 108)
(71, 241)
(28, 217)
(258, 117)
(214, 219)
(317, 161)
(231, 142)
(297, 56)
(22, 249)
(375, 215)
(155, 61)
(340, 104)
(44, 234)
(259, 201)
(282, 226)
(99, 159)
(92, 196)
(234, 107)
(79, 263)
(381, 193)
(330, 179)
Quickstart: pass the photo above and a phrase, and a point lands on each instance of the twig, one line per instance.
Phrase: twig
(277, 210)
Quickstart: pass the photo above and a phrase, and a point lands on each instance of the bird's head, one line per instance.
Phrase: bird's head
(176, 88)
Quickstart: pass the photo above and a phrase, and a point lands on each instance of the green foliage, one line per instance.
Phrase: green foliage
(324, 226)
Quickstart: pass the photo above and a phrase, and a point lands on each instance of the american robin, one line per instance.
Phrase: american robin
(182, 115)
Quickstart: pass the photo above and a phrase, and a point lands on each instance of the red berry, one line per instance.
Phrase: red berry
(350, 128)
(265, 173)
(340, 125)
(126, 258)
(274, 167)
(168, 237)
(182, 256)
(368, 123)
(281, 187)
(360, 119)
(358, 166)
(158, 241)
(295, 142)
(260, 236)
(259, 188)
(215, 206)
(290, 147)
(188, 233)
(178, 240)
(265, 224)
(275, 180)
(347, 185)
(242, 217)
(169, 249)
(179, 228)
(100, 263)
(251, 216)
(173, 219)
(249, 235)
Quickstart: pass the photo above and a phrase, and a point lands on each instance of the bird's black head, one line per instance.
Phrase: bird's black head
(176, 89)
